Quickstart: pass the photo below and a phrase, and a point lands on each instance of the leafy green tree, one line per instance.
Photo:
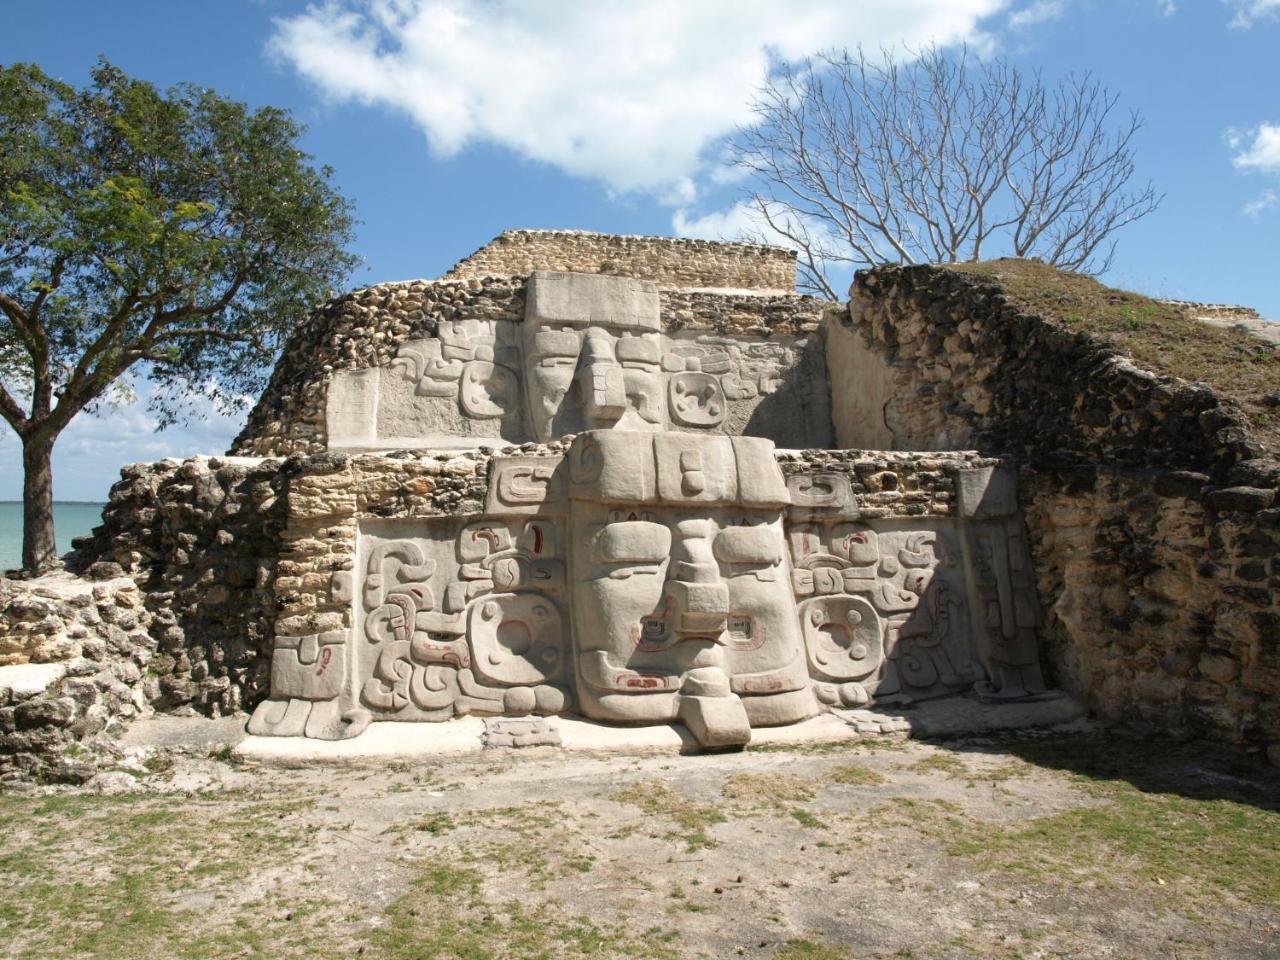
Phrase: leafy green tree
(174, 233)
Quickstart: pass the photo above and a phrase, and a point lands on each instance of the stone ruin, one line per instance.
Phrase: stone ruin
(643, 481)
(651, 547)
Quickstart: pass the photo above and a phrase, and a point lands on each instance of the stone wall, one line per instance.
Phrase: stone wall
(1151, 509)
(201, 538)
(77, 663)
(1161, 599)
(670, 262)
(952, 364)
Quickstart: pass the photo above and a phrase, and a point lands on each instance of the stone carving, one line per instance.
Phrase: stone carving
(464, 383)
(887, 614)
(492, 655)
(681, 604)
(591, 354)
(663, 570)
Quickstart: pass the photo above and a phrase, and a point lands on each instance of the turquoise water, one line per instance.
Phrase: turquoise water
(69, 520)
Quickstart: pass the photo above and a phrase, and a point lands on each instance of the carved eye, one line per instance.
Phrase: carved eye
(633, 541)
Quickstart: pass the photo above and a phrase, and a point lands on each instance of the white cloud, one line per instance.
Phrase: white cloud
(1042, 11)
(89, 453)
(1260, 204)
(1249, 12)
(1167, 7)
(629, 92)
(742, 221)
(737, 221)
(1261, 148)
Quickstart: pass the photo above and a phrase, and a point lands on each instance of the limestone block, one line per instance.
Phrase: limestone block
(309, 667)
(505, 732)
(581, 299)
(986, 492)
(351, 407)
(526, 485)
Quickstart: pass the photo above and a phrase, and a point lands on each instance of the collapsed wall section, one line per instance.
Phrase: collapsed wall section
(173, 611)
(1152, 509)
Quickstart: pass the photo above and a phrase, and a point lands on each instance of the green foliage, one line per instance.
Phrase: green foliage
(176, 230)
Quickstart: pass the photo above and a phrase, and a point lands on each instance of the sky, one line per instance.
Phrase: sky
(448, 121)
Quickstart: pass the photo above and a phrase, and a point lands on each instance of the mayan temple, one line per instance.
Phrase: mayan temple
(648, 513)
(642, 482)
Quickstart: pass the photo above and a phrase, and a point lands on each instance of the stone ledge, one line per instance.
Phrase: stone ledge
(952, 716)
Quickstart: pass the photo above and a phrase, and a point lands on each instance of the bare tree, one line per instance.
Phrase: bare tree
(939, 158)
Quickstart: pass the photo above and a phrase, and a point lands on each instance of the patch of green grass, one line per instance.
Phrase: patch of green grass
(855, 774)
(1189, 826)
(656, 799)
(808, 950)
(446, 916)
(126, 876)
(807, 819)
(1143, 841)
(437, 823)
(947, 764)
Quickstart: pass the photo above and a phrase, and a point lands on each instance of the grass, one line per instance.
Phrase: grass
(692, 820)
(112, 887)
(1096, 825)
(768, 789)
(1188, 828)
(445, 916)
(1159, 336)
(855, 774)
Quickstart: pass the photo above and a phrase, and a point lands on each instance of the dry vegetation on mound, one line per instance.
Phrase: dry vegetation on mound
(1162, 337)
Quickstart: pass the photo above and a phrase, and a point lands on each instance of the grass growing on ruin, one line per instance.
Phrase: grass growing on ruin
(656, 799)
(1162, 337)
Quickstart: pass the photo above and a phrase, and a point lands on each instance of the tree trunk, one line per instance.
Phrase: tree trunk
(39, 550)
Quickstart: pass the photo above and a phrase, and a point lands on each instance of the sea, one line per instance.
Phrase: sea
(70, 519)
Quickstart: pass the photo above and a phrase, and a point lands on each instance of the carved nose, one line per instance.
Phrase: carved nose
(699, 597)
(604, 394)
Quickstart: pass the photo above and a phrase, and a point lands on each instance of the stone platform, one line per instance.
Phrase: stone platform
(951, 716)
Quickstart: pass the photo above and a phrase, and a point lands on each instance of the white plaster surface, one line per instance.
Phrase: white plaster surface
(951, 716)
(381, 741)
(25, 680)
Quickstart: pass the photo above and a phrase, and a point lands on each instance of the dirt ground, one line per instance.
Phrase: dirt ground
(1060, 845)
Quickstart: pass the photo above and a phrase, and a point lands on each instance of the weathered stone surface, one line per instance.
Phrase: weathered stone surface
(1149, 505)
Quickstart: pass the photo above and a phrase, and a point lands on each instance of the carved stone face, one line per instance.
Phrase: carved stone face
(680, 566)
(592, 355)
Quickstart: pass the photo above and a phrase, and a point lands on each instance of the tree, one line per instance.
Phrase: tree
(861, 160)
(179, 234)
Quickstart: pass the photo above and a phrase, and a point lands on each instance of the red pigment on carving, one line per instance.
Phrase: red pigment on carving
(765, 685)
(325, 656)
(642, 683)
(486, 534)
(537, 539)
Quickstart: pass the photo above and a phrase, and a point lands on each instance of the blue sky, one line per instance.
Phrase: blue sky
(448, 121)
